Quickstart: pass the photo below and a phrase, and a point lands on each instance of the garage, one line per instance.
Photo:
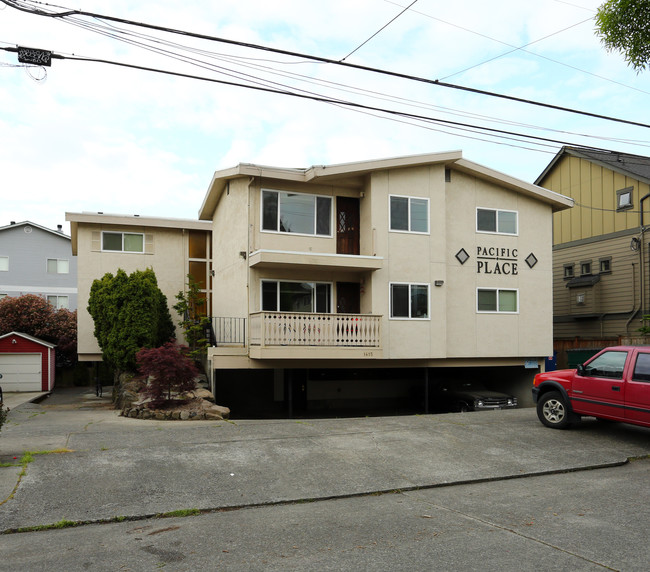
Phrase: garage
(26, 363)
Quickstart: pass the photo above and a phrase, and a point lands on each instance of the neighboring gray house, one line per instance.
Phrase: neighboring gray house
(37, 260)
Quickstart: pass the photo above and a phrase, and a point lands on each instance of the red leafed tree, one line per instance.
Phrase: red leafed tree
(35, 316)
(169, 370)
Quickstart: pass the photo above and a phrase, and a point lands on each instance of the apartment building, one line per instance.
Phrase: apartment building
(362, 282)
(103, 243)
(38, 260)
(601, 276)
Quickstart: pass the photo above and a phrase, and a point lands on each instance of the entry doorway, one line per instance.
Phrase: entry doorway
(348, 298)
(347, 225)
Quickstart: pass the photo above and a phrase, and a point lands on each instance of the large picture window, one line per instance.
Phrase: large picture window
(297, 213)
(409, 214)
(409, 301)
(496, 221)
(497, 300)
(305, 297)
(122, 242)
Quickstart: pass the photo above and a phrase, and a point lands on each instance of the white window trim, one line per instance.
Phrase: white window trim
(123, 232)
(409, 231)
(315, 235)
(516, 233)
(409, 318)
(278, 280)
(497, 290)
(57, 305)
(47, 260)
(7, 259)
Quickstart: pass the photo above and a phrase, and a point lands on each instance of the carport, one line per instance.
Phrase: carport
(26, 363)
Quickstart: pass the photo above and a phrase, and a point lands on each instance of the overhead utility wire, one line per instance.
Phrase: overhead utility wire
(321, 59)
(378, 31)
(138, 39)
(452, 124)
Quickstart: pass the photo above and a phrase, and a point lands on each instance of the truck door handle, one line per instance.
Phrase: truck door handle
(616, 388)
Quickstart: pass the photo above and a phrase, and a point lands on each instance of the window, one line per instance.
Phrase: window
(624, 199)
(585, 268)
(58, 266)
(609, 364)
(122, 242)
(497, 300)
(568, 271)
(4, 263)
(409, 301)
(605, 265)
(297, 213)
(499, 222)
(642, 368)
(59, 301)
(409, 214)
(306, 297)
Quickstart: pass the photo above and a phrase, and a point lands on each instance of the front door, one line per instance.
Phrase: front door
(347, 225)
(348, 298)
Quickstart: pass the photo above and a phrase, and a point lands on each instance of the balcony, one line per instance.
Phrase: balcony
(292, 335)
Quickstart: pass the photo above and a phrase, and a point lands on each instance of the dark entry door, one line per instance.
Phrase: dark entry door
(348, 298)
(347, 225)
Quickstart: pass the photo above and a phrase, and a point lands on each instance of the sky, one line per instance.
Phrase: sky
(83, 135)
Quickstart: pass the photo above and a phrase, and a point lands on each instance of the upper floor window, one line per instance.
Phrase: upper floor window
(409, 301)
(4, 263)
(306, 297)
(409, 214)
(585, 268)
(59, 301)
(123, 241)
(497, 300)
(496, 221)
(569, 271)
(296, 213)
(624, 199)
(605, 265)
(58, 266)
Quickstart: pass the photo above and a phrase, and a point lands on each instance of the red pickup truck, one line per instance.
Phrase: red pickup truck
(614, 385)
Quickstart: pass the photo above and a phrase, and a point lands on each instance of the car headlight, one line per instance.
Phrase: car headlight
(479, 403)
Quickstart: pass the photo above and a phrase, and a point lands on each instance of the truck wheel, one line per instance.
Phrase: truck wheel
(553, 411)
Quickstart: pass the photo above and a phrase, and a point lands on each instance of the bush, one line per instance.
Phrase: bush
(169, 370)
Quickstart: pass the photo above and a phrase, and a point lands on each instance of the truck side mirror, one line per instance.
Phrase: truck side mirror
(581, 369)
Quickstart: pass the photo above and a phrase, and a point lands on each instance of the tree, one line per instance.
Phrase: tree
(190, 307)
(130, 312)
(35, 316)
(169, 369)
(624, 25)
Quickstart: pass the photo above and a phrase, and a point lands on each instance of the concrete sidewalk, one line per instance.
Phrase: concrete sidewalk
(121, 467)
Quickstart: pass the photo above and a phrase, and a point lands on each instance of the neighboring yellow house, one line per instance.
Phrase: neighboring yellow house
(103, 243)
(600, 254)
(366, 280)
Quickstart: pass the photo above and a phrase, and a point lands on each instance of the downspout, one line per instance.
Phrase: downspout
(642, 270)
(634, 308)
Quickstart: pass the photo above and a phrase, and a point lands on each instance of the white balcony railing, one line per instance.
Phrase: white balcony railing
(330, 330)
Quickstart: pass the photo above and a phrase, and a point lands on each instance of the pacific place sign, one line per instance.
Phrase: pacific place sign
(495, 260)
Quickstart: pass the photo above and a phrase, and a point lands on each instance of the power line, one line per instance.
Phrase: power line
(409, 77)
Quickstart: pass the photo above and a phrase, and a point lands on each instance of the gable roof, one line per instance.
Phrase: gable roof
(352, 175)
(26, 223)
(30, 338)
(635, 166)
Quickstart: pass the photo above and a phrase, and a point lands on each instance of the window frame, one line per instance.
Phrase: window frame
(627, 191)
(498, 291)
(57, 260)
(314, 301)
(586, 264)
(59, 297)
(315, 198)
(497, 231)
(123, 233)
(569, 271)
(409, 214)
(602, 261)
(410, 297)
(7, 268)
